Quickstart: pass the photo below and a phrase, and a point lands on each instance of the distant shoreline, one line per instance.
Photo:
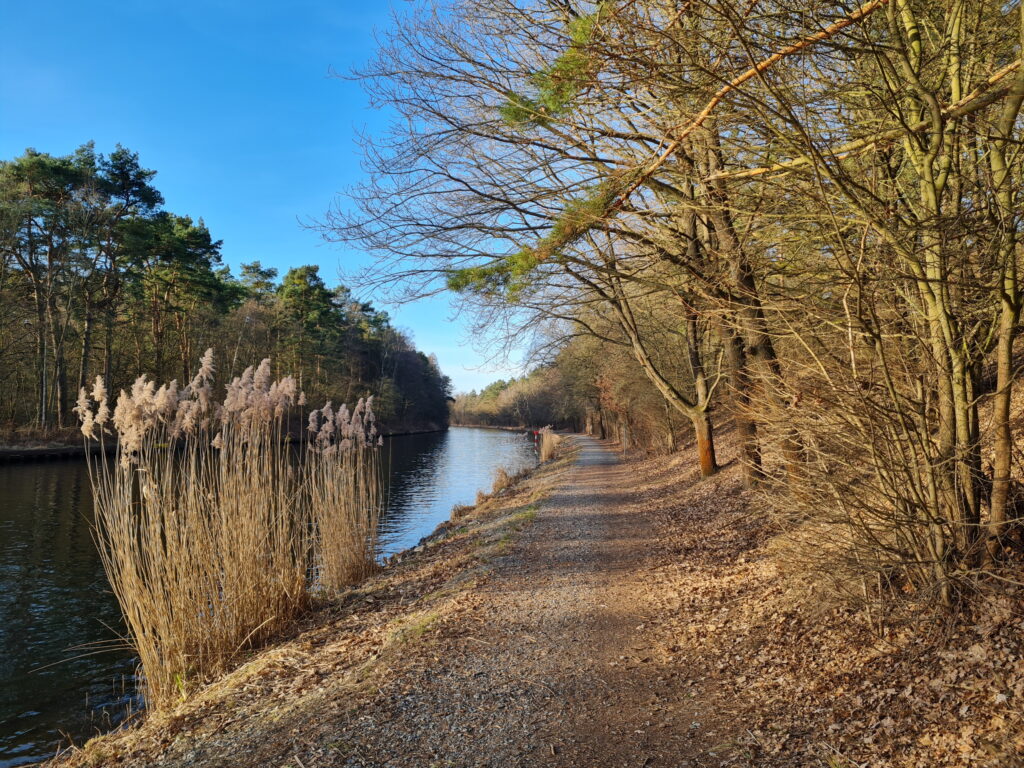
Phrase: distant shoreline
(26, 454)
(491, 426)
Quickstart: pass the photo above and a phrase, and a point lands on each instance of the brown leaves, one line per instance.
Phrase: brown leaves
(815, 680)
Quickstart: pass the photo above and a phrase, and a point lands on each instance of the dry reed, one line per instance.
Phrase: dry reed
(344, 494)
(549, 442)
(208, 523)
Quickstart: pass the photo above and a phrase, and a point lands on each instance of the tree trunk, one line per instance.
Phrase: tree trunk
(692, 410)
(746, 426)
(671, 428)
(41, 384)
(748, 309)
(1008, 318)
(108, 351)
(705, 444)
(59, 373)
(83, 364)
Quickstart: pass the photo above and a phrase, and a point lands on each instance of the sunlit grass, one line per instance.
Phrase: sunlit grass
(210, 523)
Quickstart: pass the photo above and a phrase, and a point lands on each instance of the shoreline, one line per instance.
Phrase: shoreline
(492, 426)
(450, 562)
(15, 455)
(28, 454)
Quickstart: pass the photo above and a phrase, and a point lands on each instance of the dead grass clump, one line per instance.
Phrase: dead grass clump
(460, 511)
(502, 480)
(549, 443)
(208, 523)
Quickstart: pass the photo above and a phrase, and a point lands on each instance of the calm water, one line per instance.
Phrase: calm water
(56, 609)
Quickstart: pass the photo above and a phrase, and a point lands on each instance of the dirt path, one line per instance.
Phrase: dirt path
(563, 665)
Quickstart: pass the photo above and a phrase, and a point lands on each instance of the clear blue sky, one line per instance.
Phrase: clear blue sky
(232, 103)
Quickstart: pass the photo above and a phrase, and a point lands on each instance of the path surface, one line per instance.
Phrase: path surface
(561, 668)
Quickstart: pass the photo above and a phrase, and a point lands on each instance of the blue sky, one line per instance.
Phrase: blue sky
(233, 104)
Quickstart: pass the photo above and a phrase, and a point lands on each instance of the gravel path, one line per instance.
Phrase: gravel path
(560, 666)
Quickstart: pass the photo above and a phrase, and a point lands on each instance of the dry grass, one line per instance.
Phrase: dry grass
(502, 480)
(549, 443)
(209, 523)
(459, 511)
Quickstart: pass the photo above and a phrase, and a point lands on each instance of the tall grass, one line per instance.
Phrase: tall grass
(549, 442)
(344, 494)
(209, 524)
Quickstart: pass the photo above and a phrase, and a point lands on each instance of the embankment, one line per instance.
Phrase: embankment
(342, 654)
(603, 613)
(17, 454)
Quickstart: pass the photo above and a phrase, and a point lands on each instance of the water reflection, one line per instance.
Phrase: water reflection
(432, 473)
(54, 595)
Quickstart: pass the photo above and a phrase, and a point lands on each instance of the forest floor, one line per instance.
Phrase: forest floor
(604, 612)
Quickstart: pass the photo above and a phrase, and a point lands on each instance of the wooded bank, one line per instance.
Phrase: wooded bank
(97, 278)
(800, 218)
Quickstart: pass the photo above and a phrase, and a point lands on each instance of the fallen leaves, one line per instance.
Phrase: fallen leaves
(815, 681)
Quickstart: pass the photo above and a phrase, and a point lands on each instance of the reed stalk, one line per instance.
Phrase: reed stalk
(344, 494)
(209, 523)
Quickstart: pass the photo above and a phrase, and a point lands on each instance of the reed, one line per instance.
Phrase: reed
(343, 486)
(549, 442)
(209, 523)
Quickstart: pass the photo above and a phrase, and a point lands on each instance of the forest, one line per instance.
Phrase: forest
(97, 278)
(800, 221)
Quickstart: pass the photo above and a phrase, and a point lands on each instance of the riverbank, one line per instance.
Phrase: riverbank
(342, 649)
(492, 426)
(51, 450)
(17, 454)
(605, 613)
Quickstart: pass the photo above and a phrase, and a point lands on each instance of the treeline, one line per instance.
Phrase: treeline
(98, 279)
(536, 400)
(801, 217)
(588, 386)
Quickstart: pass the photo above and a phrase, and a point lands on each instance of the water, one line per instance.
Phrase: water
(56, 608)
(431, 473)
